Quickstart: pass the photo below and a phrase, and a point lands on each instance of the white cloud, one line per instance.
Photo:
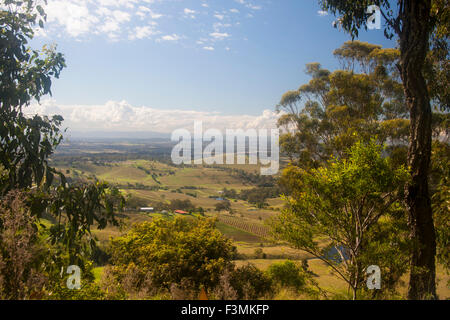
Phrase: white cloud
(123, 117)
(322, 13)
(74, 17)
(142, 33)
(219, 36)
(188, 11)
(208, 48)
(254, 7)
(170, 37)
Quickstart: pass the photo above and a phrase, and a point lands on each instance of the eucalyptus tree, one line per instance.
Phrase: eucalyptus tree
(415, 23)
(345, 214)
(363, 100)
(27, 141)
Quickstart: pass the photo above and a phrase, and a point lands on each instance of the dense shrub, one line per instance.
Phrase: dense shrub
(287, 274)
(21, 251)
(88, 291)
(250, 283)
(167, 252)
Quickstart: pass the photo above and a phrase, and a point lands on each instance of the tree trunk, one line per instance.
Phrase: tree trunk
(414, 46)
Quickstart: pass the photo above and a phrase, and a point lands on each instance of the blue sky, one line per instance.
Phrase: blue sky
(210, 58)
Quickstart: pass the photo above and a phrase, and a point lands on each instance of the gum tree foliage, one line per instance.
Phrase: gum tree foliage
(27, 141)
(440, 176)
(25, 75)
(437, 66)
(416, 24)
(326, 116)
(345, 212)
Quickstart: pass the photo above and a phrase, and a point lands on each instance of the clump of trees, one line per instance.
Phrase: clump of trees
(224, 205)
(176, 204)
(185, 205)
(259, 195)
(256, 196)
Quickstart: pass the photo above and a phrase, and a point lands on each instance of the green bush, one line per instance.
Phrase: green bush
(260, 254)
(250, 283)
(166, 252)
(287, 274)
(89, 291)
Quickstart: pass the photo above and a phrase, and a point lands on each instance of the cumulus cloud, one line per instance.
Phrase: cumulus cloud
(115, 116)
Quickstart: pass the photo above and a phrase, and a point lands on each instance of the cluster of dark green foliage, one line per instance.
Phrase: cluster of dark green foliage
(259, 195)
(224, 205)
(256, 196)
(185, 205)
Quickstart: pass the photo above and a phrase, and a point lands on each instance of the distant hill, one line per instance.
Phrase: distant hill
(107, 136)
